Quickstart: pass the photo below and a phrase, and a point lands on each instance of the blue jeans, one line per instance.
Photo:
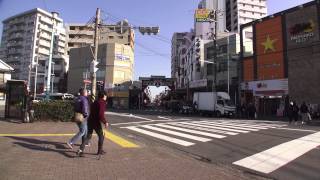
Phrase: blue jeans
(83, 130)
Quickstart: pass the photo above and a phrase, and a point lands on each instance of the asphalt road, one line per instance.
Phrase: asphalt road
(267, 148)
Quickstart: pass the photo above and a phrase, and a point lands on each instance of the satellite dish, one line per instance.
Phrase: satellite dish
(122, 26)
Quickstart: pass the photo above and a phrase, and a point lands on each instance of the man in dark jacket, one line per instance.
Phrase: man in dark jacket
(304, 112)
(81, 105)
(96, 118)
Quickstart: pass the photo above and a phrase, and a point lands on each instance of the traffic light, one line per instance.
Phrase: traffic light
(149, 30)
(93, 66)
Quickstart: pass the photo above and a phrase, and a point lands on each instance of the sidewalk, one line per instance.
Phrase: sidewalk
(47, 158)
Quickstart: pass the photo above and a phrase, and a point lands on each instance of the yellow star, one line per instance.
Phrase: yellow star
(268, 44)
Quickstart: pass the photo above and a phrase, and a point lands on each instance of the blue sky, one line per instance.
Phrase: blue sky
(171, 15)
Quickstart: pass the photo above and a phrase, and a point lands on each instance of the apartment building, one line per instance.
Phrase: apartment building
(25, 45)
(240, 12)
(81, 35)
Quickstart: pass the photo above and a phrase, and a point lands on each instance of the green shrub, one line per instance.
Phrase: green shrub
(53, 110)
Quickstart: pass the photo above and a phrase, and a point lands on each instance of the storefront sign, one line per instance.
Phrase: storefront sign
(122, 57)
(302, 27)
(198, 83)
(202, 15)
(266, 87)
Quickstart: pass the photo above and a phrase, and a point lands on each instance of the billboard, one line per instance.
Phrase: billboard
(202, 15)
(302, 27)
(269, 49)
(248, 70)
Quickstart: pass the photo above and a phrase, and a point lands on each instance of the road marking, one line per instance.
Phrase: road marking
(35, 135)
(228, 126)
(243, 125)
(278, 156)
(183, 119)
(302, 130)
(119, 140)
(162, 137)
(160, 117)
(128, 115)
(177, 133)
(222, 128)
(213, 127)
(192, 131)
(203, 128)
(137, 122)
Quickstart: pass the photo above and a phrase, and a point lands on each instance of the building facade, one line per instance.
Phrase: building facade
(243, 11)
(25, 45)
(284, 62)
(81, 35)
(116, 66)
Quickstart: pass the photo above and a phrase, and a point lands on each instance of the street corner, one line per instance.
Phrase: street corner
(120, 140)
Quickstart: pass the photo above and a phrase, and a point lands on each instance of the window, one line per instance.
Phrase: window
(111, 37)
(71, 36)
(81, 28)
(72, 28)
(70, 44)
(220, 102)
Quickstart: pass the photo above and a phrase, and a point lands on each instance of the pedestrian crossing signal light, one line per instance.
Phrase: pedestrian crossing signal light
(93, 66)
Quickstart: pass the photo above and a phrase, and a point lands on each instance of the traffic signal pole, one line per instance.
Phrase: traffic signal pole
(95, 60)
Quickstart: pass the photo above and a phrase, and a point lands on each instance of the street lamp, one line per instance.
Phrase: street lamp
(228, 54)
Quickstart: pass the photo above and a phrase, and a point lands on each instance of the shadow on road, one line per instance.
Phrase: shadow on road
(43, 145)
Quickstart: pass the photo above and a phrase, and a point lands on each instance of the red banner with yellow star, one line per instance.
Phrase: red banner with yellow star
(269, 49)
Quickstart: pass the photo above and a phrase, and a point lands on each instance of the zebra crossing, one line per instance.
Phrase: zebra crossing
(188, 133)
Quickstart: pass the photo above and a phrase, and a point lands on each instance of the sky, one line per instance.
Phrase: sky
(152, 53)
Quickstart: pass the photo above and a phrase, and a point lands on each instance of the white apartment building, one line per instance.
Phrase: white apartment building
(26, 42)
(243, 11)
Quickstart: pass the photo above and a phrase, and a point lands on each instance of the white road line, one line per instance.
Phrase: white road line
(203, 129)
(229, 126)
(214, 127)
(160, 117)
(128, 123)
(278, 156)
(192, 131)
(246, 124)
(177, 133)
(183, 119)
(162, 137)
(226, 128)
(128, 115)
(239, 125)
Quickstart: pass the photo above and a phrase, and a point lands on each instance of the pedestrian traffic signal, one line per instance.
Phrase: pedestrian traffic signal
(93, 66)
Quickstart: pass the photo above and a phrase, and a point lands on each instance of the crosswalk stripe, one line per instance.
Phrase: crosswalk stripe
(278, 156)
(242, 125)
(215, 127)
(161, 136)
(192, 131)
(261, 123)
(201, 127)
(228, 126)
(177, 133)
(234, 126)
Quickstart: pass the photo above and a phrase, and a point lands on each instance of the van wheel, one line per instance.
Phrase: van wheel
(218, 114)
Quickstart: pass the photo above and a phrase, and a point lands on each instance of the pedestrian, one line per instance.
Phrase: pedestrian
(252, 111)
(304, 113)
(94, 123)
(290, 112)
(81, 105)
(295, 112)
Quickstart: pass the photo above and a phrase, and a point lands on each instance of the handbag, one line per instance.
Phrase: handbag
(78, 117)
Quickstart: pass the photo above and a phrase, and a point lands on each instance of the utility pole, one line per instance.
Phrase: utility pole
(95, 60)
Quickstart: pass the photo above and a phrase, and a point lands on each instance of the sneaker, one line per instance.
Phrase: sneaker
(88, 145)
(69, 144)
(102, 152)
(80, 153)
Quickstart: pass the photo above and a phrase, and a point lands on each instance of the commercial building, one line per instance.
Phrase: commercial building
(25, 45)
(116, 65)
(282, 60)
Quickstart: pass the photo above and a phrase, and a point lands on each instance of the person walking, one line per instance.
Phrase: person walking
(295, 113)
(81, 105)
(304, 113)
(290, 112)
(94, 123)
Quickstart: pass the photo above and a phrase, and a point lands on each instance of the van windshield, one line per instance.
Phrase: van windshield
(228, 103)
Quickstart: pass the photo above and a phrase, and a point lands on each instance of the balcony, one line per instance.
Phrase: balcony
(43, 51)
(44, 43)
(45, 36)
(14, 51)
(45, 28)
(16, 36)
